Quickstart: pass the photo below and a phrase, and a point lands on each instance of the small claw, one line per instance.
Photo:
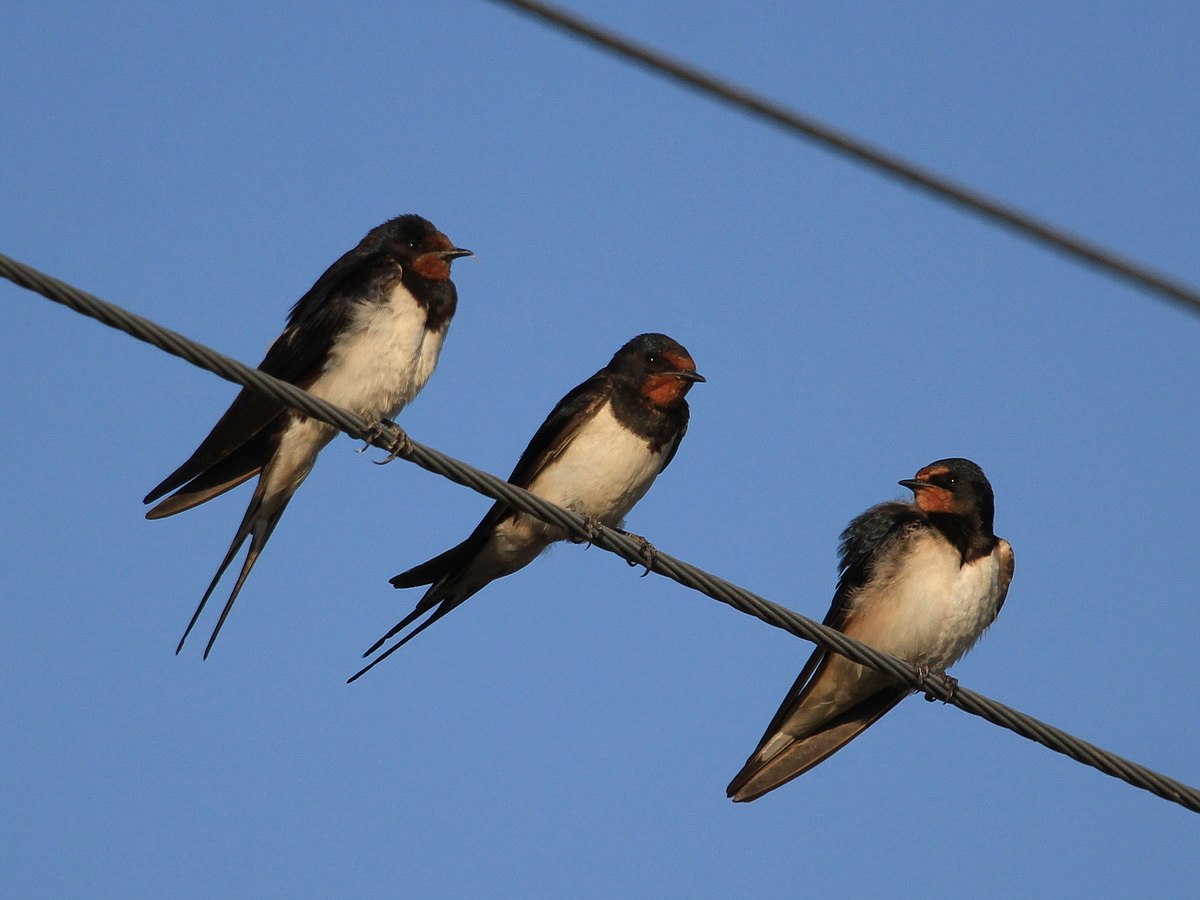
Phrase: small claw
(953, 687)
(401, 445)
(591, 526)
(374, 432)
(649, 554)
(923, 673)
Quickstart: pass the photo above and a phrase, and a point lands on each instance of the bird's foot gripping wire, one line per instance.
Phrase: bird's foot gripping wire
(923, 673)
(649, 554)
(398, 445)
(373, 433)
(591, 528)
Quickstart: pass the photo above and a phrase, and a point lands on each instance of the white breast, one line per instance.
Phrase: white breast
(932, 609)
(601, 473)
(383, 359)
(604, 471)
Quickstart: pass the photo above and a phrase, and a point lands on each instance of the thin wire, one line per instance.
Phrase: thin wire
(388, 437)
(177, 345)
(917, 176)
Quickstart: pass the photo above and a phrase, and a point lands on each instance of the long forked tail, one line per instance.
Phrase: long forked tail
(448, 603)
(445, 590)
(429, 601)
(258, 527)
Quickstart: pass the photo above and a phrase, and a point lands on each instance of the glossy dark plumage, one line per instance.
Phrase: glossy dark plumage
(597, 453)
(919, 580)
(365, 336)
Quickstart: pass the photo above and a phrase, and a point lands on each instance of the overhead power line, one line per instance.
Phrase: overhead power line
(388, 437)
(917, 176)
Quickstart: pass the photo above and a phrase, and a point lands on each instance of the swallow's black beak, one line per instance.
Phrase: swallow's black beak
(454, 253)
(689, 375)
(914, 485)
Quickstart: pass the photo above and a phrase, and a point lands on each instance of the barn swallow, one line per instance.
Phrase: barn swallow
(365, 337)
(596, 454)
(921, 581)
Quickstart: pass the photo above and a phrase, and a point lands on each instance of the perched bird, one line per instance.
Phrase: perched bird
(366, 337)
(596, 454)
(921, 581)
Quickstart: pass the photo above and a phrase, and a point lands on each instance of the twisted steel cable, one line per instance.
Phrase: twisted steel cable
(860, 151)
(387, 436)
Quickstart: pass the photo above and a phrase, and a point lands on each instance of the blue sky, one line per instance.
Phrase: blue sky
(571, 729)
